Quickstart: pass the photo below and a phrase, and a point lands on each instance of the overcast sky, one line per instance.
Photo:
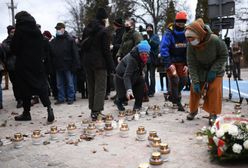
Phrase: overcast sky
(46, 12)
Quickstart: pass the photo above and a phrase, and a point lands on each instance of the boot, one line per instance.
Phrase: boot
(25, 116)
(119, 105)
(50, 115)
(180, 107)
(19, 103)
(192, 115)
(34, 100)
(94, 115)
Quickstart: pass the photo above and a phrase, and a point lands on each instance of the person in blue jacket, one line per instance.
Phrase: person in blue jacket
(173, 52)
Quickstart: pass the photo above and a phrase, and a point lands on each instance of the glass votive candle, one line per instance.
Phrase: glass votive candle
(18, 140)
(99, 124)
(155, 160)
(54, 133)
(237, 108)
(71, 129)
(109, 118)
(91, 129)
(156, 144)
(36, 137)
(144, 165)
(108, 129)
(152, 134)
(129, 115)
(124, 130)
(141, 133)
(164, 150)
(84, 124)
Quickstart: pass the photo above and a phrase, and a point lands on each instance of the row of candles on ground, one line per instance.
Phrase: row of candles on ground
(160, 151)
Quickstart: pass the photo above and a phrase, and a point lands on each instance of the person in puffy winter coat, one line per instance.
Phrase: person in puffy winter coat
(206, 55)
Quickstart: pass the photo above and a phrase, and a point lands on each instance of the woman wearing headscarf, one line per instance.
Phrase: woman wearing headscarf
(206, 57)
(28, 46)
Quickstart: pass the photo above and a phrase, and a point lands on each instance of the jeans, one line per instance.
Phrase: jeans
(65, 82)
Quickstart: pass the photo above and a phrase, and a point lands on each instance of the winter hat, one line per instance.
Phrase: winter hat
(181, 16)
(198, 28)
(144, 46)
(9, 28)
(118, 22)
(190, 33)
(149, 25)
(59, 26)
(101, 14)
(47, 34)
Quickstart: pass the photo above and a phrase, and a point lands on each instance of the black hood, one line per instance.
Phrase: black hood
(93, 27)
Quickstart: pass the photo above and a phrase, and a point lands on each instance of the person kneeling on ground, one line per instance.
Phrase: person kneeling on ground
(129, 78)
(206, 56)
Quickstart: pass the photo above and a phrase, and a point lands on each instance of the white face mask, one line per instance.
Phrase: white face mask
(195, 42)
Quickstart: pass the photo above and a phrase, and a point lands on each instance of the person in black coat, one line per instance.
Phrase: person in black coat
(97, 61)
(129, 78)
(9, 62)
(28, 46)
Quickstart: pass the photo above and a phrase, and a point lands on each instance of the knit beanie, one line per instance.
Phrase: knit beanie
(198, 28)
(9, 28)
(47, 34)
(118, 22)
(101, 14)
(144, 46)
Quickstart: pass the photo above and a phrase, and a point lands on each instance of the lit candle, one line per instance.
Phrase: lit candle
(53, 132)
(141, 133)
(71, 128)
(124, 130)
(36, 137)
(18, 140)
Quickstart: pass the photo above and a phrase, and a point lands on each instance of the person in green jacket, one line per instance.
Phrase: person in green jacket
(206, 57)
(130, 38)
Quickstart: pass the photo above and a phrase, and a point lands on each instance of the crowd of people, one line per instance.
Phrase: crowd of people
(40, 65)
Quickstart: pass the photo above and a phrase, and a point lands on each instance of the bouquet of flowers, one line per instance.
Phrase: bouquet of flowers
(228, 138)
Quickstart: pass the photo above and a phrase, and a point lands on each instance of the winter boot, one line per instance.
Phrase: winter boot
(119, 105)
(192, 115)
(25, 116)
(50, 115)
(94, 115)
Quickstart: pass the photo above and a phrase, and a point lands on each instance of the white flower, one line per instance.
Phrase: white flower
(220, 133)
(237, 148)
(233, 130)
(204, 128)
(213, 130)
(245, 144)
(225, 127)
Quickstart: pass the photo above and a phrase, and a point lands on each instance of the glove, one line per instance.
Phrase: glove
(118, 59)
(211, 76)
(129, 94)
(197, 88)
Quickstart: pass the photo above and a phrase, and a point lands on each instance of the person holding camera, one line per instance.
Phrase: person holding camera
(206, 57)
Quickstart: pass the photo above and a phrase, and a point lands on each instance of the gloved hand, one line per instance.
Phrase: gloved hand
(197, 88)
(118, 59)
(211, 76)
(129, 94)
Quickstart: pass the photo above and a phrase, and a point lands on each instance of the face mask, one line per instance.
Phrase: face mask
(144, 58)
(127, 29)
(150, 32)
(195, 42)
(59, 33)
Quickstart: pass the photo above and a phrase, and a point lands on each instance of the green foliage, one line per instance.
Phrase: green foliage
(202, 10)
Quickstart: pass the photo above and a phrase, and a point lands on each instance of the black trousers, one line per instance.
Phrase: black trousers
(16, 91)
(150, 78)
(137, 87)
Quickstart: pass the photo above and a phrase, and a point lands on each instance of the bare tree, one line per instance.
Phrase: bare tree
(156, 9)
(76, 10)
